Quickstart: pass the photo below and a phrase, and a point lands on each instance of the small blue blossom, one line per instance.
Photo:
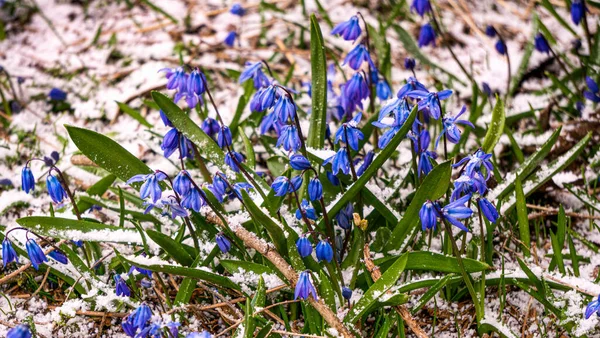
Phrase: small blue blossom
(218, 187)
(455, 211)
(365, 163)
(59, 257)
(315, 189)
(541, 44)
(430, 101)
(289, 138)
(324, 251)
(348, 30)
(488, 210)
(411, 85)
(283, 185)
(35, 253)
(57, 95)
(486, 89)
(500, 47)
(345, 217)
(308, 210)
(237, 9)
(232, 158)
(299, 162)
(196, 82)
(55, 189)
(474, 163)
(173, 328)
(210, 126)
(339, 162)
(8, 252)
(394, 123)
(19, 331)
(230, 38)
(141, 316)
(332, 178)
(128, 327)
(577, 11)
(165, 119)
(466, 185)
(450, 127)
(182, 183)
(357, 56)
(121, 287)
(592, 93)
(284, 108)
(27, 179)
(350, 129)
(263, 99)
(383, 90)
(409, 63)
(151, 187)
(304, 246)
(174, 140)
(304, 287)
(490, 31)
(346, 293)
(428, 215)
(142, 271)
(356, 89)
(193, 200)
(254, 71)
(237, 189)
(593, 307)
(176, 78)
(223, 243)
(224, 137)
(426, 36)
(422, 7)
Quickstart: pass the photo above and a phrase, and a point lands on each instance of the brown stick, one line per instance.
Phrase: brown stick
(400, 309)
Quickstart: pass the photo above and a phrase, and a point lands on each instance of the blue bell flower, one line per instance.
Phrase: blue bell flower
(475, 162)
(428, 215)
(488, 210)
(315, 189)
(356, 89)
(210, 126)
(254, 71)
(307, 209)
(345, 216)
(289, 139)
(27, 179)
(19, 331)
(151, 186)
(55, 189)
(426, 36)
(196, 82)
(365, 163)
(486, 89)
(324, 251)
(8, 252)
(223, 243)
(455, 211)
(284, 108)
(409, 63)
(304, 287)
(500, 47)
(339, 162)
(230, 38)
(348, 30)
(182, 183)
(541, 44)
(224, 137)
(430, 101)
(35, 253)
(450, 127)
(593, 307)
(165, 119)
(383, 90)
(218, 187)
(141, 316)
(577, 11)
(176, 79)
(59, 257)
(283, 185)
(57, 94)
(357, 56)
(122, 290)
(422, 7)
(346, 293)
(236, 9)
(304, 246)
(351, 131)
(593, 90)
(128, 327)
(193, 200)
(299, 162)
(411, 85)
(232, 158)
(466, 185)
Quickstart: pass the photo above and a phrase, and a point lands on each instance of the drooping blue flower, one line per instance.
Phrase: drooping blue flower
(428, 215)
(141, 316)
(426, 36)
(284, 108)
(299, 162)
(475, 162)
(486, 89)
(151, 187)
(383, 90)
(59, 257)
(142, 271)
(270, 122)
(315, 189)
(346, 293)
(210, 126)
(196, 82)
(173, 328)
(289, 138)
(500, 47)
(224, 137)
(332, 178)
(254, 71)
(488, 210)
(154, 330)
(263, 99)
(350, 129)
(128, 327)
(218, 187)
(169, 206)
(223, 243)
(304, 287)
(324, 251)
(121, 287)
(593, 307)
(55, 189)
(283, 185)
(230, 38)
(425, 166)
(339, 162)
(57, 95)
(490, 31)
(357, 56)
(304, 246)
(356, 89)
(176, 78)
(182, 183)
(165, 119)
(541, 44)
(455, 211)
(466, 185)
(237, 9)
(19, 331)
(409, 63)
(8, 252)
(348, 30)
(345, 217)
(422, 7)
(27, 179)
(411, 85)
(577, 11)
(365, 163)
(592, 93)
(237, 190)
(232, 158)
(174, 140)
(430, 101)
(395, 122)
(451, 129)
(35, 253)
(308, 210)
(193, 200)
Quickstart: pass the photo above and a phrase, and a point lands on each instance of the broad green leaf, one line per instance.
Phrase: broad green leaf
(545, 173)
(133, 113)
(432, 261)
(318, 116)
(98, 189)
(173, 248)
(433, 187)
(249, 149)
(260, 297)
(381, 206)
(383, 284)
(522, 217)
(64, 228)
(293, 256)
(326, 290)
(186, 272)
(431, 292)
(524, 169)
(107, 153)
(557, 251)
(496, 127)
(234, 266)
(273, 228)
(377, 163)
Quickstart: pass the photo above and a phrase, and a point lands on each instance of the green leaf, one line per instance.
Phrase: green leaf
(234, 266)
(98, 189)
(488, 325)
(431, 292)
(249, 149)
(260, 297)
(432, 261)
(173, 248)
(557, 251)
(326, 290)
(522, 217)
(64, 228)
(186, 272)
(260, 217)
(318, 116)
(293, 255)
(107, 153)
(383, 284)
(133, 113)
(433, 187)
(495, 128)
(377, 163)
